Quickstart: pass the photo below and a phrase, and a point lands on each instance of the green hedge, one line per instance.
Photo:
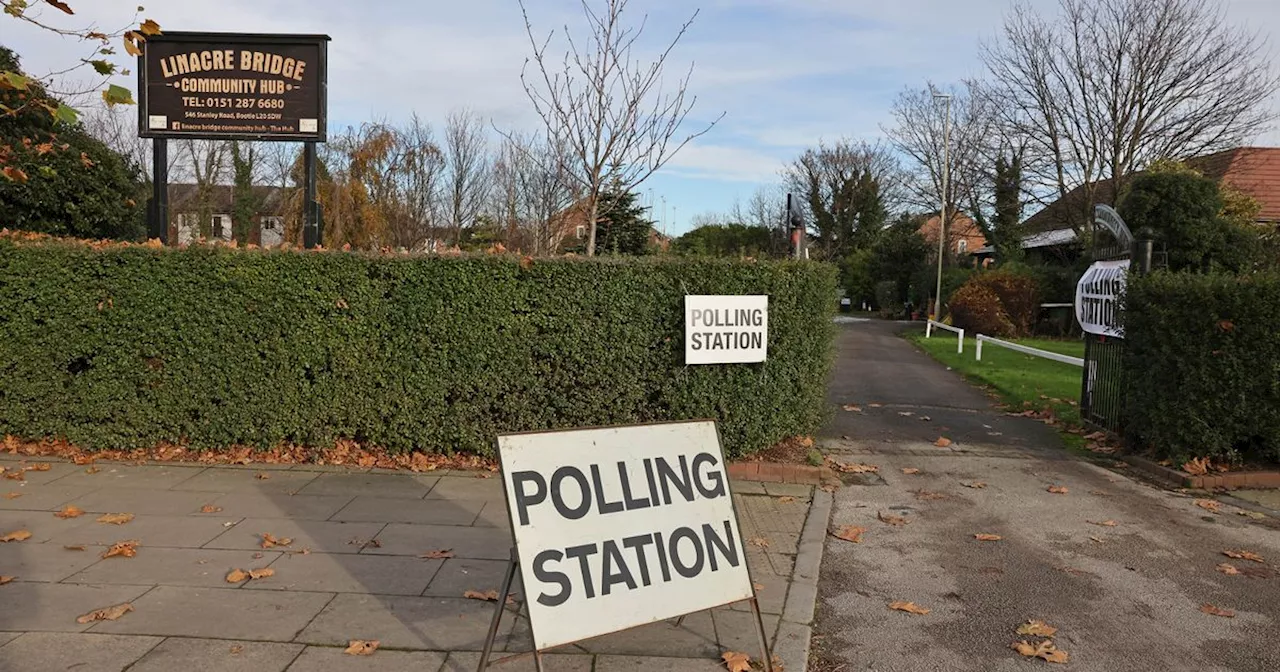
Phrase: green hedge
(130, 346)
(1203, 361)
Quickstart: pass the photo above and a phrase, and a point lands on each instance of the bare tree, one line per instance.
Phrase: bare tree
(848, 188)
(607, 106)
(1107, 86)
(422, 176)
(532, 191)
(466, 153)
(117, 128)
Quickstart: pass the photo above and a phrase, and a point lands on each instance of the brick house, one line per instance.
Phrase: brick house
(188, 208)
(963, 235)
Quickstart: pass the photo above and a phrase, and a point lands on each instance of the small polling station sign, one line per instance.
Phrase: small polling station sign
(618, 527)
(726, 329)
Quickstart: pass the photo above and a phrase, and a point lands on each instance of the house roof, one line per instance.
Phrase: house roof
(185, 197)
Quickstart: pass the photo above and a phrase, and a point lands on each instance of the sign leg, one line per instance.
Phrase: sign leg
(310, 211)
(158, 226)
(764, 639)
(497, 616)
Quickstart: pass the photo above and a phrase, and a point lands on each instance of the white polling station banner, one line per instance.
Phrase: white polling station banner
(621, 526)
(725, 329)
(1098, 298)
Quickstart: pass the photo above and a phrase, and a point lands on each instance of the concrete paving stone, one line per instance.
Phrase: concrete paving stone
(145, 476)
(258, 466)
(422, 512)
(404, 485)
(38, 497)
(494, 514)
(747, 487)
(783, 565)
(318, 536)
(469, 487)
(336, 468)
(150, 531)
(332, 659)
(278, 505)
(173, 567)
(54, 607)
(217, 655)
(6, 637)
(219, 613)
(789, 490)
(1267, 498)
(736, 630)
(247, 481)
(56, 471)
(801, 602)
(457, 576)
(418, 623)
(484, 543)
(551, 662)
(334, 573)
(791, 645)
(771, 592)
(42, 525)
(649, 663)
(44, 562)
(47, 651)
(142, 501)
(695, 637)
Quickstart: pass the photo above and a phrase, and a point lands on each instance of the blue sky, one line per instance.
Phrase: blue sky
(786, 73)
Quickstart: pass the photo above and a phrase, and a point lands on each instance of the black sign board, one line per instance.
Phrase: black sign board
(232, 86)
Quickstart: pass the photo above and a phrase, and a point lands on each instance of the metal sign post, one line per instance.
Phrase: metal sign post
(158, 213)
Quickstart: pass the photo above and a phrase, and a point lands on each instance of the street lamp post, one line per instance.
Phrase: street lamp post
(946, 186)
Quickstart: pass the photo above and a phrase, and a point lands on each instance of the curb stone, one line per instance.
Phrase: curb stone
(795, 629)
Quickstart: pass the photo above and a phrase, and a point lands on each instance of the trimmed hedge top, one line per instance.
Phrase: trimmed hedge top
(128, 346)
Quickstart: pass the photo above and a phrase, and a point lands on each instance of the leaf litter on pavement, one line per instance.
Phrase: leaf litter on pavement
(1244, 555)
(1058, 489)
(16, 535)
(115, 518)
(1036, 628)
(849, 533)
(1045, 650)
(106, 613)
(1209, 505)
(1228, 569)
(910, 471)
(124, 549)
(1215, 611)
(987, 537)
(270, 541)
(360, 647)
(69, 511)
(909, 607)
(736, 661)
(439, 554)
(976, 485)
(890, 519)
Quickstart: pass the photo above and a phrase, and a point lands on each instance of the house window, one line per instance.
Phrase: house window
(962, 246)
(580, 232)
(221, 227)
(272, 223)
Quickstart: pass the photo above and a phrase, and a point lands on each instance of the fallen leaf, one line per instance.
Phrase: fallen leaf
(1209, 505)
(1044, 650)
(92, 470)
(237, 575)
(890, 519)
(73, 548)
(1058, 489)
(106, 613)
(1197, 466)
(758, 586)
(909, 607)
(1036, 629)
(359, 647)
(41, 466)
(126, 549)
(15, 475)
(976, 485)
(262, 476)
(20, 535)
(856, 468)
(1256, 515)
(6, 579)
(373, 543)
(928, 496)
(257, 556)
(909, 471)
(487, 596)
(115, 518)
(69, 511)
(236, 649)
(987, 537)
(736, 662)
(269, 541)
(1244, 555)
(12, 495)
(261, 573)
(1228, 569)
(759, 541)
(209, 508)
(849, 533)
(1105, 523)
(1099, 493)
(305, 551)
(906, 414)
(942, 442)
(438, 555)
(1096, 540)
(852, 409)
(1215, 611)
(876, 405)
(786, 499)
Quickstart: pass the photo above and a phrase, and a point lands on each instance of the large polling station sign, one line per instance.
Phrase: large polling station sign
(725, 329)
(1098, 298)
(622, 526)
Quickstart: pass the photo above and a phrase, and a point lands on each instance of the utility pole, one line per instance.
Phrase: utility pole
(946, 186)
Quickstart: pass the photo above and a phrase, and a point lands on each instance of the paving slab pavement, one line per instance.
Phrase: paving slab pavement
(348, 565)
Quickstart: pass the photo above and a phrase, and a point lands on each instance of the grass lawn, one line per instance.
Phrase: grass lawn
(1019, 379)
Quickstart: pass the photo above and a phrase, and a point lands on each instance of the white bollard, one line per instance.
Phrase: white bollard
(960, 343)
(979, 347)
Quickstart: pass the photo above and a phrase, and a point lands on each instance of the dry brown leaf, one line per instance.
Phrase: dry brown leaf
(856, 468)
(759, 541)
(1228, 569)
(1244, 555)
(74, 548)
(115, 518)
(1197, 467)
(786, 499)
(1256, 515)
(6, 579)
(237, 575)
(909, 607)
(852, 408)
(373, 543)
(1044, 650)
(758, 586)
(19, 535)
(910, 471)
(262, 476)
(209, 508)
(942, 442)
(1209, 505)
(1215, 611)
(1105, 523)
(928, 496)
(1058, 489)
(69, 511)
(849, 533)
(890, 519)
(976, 485)
(12, 495)
(126, 549)
(359, 647)
(269, 541)
(15, 475)
(438, 555)
(987, 537)
(92, 470)
(1096, 540)
(736, 662)
(40, 466)
(487, 596)
(257, 556)
(236, 649)
(1036, 629)
(261, 573)
(106, 613)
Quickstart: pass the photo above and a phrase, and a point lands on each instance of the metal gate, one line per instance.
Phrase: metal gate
(1102, 387)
